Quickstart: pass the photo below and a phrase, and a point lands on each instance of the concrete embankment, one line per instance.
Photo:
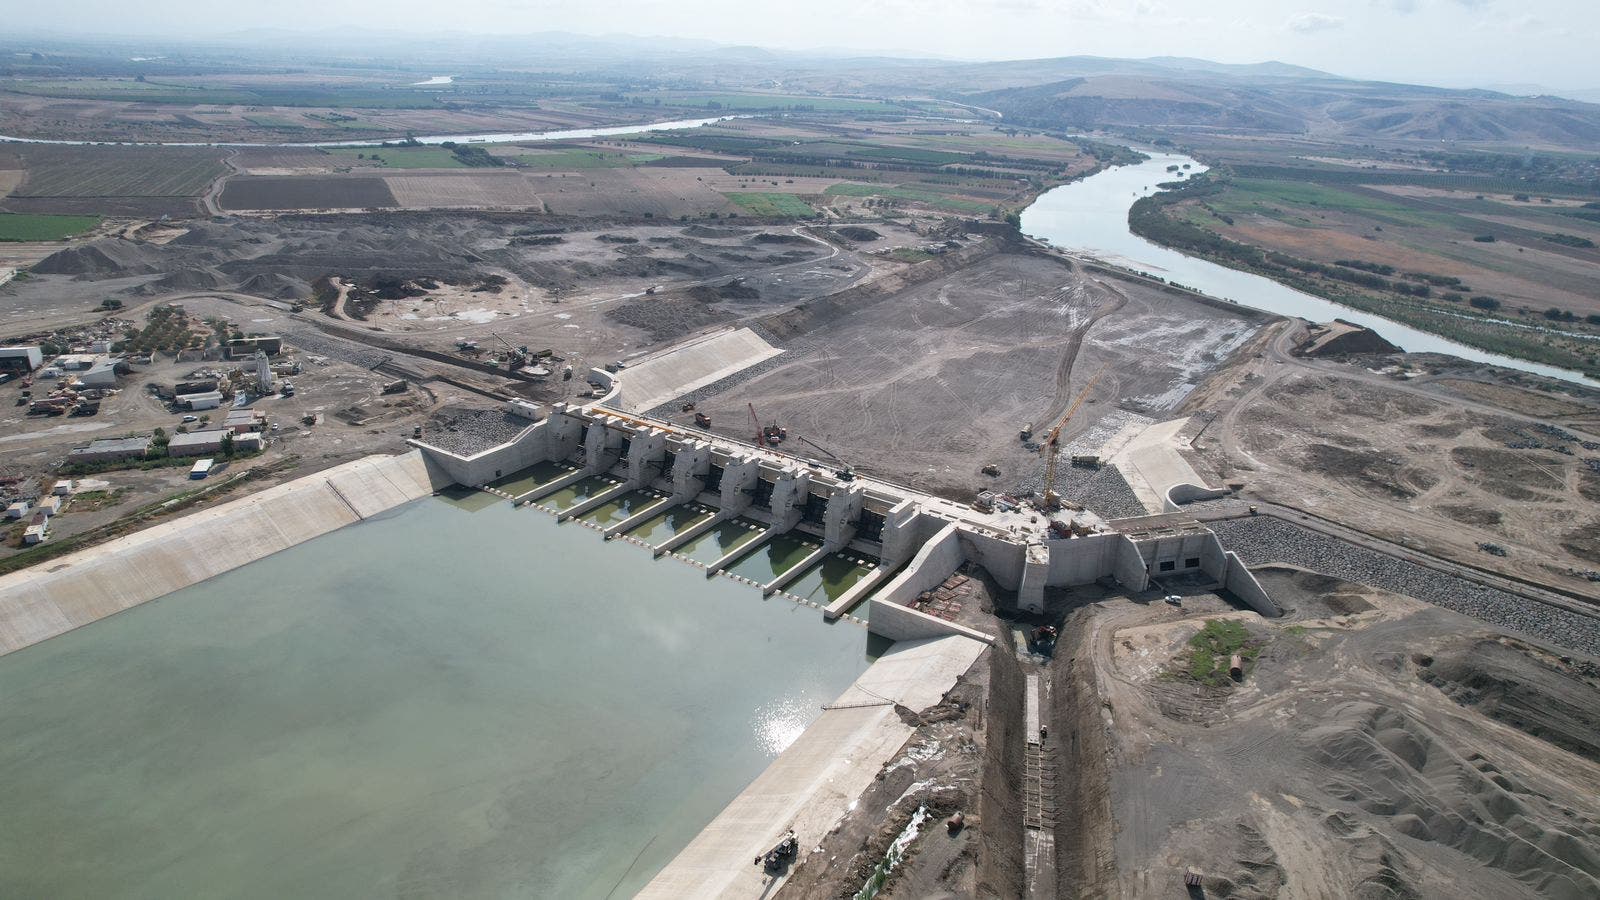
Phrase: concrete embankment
(813, 783)
(39, 603)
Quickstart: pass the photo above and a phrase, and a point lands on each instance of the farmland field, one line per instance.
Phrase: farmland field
(43, 228)
(306, 192)
(584, 159)
(398, 157)
(472, 188)
(774, 205)
(60, 171)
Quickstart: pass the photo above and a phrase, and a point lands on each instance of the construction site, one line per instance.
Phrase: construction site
(1061, 580)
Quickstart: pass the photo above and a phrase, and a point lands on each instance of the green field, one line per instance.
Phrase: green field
(773, 205)
(43, 228)
(584, 159)
(400, 157)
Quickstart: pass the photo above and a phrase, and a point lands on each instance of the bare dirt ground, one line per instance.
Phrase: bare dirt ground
(927, 384)
(352, 416)
(1376, 747)
(1456, 466)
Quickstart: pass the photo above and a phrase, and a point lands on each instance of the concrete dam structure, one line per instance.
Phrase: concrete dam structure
(773, 519)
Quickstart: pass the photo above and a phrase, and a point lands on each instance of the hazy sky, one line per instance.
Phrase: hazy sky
(1454, 42)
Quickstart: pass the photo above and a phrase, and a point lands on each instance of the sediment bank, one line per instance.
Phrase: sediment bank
(83, 587)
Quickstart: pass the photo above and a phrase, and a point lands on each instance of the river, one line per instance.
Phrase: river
(1090, 217)
(455, 699)
(572, 134)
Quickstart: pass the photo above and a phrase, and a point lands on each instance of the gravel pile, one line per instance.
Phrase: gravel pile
(1263, 540)
(466, 432)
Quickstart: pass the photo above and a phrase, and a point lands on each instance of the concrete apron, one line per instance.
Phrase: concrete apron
(812, 783)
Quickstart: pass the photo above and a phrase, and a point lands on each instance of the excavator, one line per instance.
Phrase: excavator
(1051, 445)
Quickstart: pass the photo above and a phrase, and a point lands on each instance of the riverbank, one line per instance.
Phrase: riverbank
(39, 603)
(1090, 219)
(1150, 218)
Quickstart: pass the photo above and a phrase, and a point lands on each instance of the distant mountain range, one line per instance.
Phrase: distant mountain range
(1312, 104)
(1073, 92)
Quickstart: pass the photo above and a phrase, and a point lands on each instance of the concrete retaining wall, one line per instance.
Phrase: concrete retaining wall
(83, 587)
(892, 618)
(1242, 584)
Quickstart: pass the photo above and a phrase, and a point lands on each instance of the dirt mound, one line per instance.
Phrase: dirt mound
(1390, 765)
(708, 231)
(767, 237)
(1533, 692)
(1346, 340)
(666, 318)
(729, 290)
(857, 233)
(278, 287)
(182, 280)
(105, 258)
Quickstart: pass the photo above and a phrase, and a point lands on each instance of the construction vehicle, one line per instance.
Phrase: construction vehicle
(778, 858)
(396, 387)
(288, 389)
(701, 420)
(770, 435)
(515, 356)
(1086, 461)
(1051, 447)
(1027, 432)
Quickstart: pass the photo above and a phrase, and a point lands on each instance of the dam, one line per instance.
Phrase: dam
(481, 692)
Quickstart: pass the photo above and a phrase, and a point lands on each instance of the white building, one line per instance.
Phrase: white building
(21, 359)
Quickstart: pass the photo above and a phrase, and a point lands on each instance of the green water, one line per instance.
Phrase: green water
(615, 511)
(440, 702)
(573, 494)
(828, 580)
(776, 557)
(524, 480)
(658, 528)
(722, 540)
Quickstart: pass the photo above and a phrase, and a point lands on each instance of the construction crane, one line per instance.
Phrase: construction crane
(1051, 447)
(766, 435)
(517, 356)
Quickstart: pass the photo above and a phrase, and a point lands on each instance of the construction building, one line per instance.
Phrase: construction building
(111, 450)
(210, 441)
(20, 360)
(199, 401)
(248, 347)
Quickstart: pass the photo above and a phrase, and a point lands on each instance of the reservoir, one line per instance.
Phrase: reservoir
(1091, 217)
(456, 699)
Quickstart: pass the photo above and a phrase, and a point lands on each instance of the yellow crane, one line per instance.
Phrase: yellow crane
(1051, 447)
